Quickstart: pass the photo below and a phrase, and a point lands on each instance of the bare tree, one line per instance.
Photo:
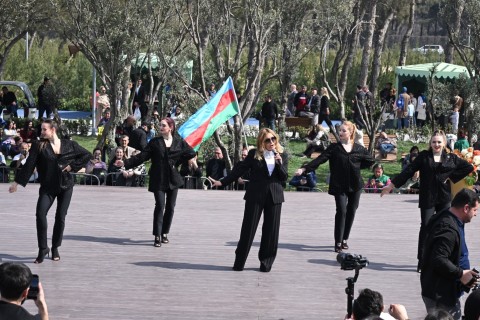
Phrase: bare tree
(17, 18)
(103, 32)
(406, 37)
(369, 27)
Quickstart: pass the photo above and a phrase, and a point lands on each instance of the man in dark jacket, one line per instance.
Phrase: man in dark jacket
(138, 137)
(445, 265)
(269, 112)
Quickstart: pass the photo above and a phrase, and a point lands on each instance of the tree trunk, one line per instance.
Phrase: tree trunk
(367, 46)
(378, 50)
(457, 9)
(408, 34)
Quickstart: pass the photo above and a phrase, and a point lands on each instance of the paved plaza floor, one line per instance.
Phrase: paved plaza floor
(109, 268)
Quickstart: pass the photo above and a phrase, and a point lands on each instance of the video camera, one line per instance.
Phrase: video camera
(350, 261)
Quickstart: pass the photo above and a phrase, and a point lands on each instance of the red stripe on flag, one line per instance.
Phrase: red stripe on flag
(196, 137)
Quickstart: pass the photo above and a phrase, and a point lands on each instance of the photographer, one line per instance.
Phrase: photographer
(304, 182)
(15, 279)
(445, 266)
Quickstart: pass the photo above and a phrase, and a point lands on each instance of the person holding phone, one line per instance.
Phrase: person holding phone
(268, 175)
(54, 158)
(16, 285)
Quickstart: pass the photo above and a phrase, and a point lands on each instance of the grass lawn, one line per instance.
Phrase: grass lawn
(294, 148)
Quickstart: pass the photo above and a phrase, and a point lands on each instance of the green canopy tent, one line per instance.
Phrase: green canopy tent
(415, 76)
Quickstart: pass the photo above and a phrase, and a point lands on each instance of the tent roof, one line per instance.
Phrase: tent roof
(444, 70)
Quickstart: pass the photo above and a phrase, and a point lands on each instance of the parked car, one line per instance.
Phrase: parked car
(430, 48)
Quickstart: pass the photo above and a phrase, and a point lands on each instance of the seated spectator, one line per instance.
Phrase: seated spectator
(28, 132)
(462, 142)
(15, 279)
(472, 306)
(20, 159)
(191, 173)
(151, 133)
(119, 176)
(317, 140)
(242, 182)
(216, 167)
(385, 144)
(369, 305)
(378, 180)
(414, 151)
(304, 182)
(9, 134)
(16, 148)
(96, 167)
(127, 150)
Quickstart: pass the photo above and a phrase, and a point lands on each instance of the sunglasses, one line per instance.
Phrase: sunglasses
(270, 140)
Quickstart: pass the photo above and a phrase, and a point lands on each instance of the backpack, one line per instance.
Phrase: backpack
(400, 101)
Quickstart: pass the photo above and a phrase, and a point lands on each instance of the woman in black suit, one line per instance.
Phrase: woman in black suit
(346, 159)
(54, 159)
(436, 167)
(268, 174)
(166, 151)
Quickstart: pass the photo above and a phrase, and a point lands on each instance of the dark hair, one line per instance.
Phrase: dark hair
(368, 303)
(170, 123)
(472, 306)
(414, 148)
(14, 279)
(376, 166)
(461, 133)
(463, 197)
(96, 149)
(25, 125)
(359, 87)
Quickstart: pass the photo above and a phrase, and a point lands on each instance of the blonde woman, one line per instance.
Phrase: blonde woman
(436, 167)
(268, 175)
(346, 159)
(325, 111)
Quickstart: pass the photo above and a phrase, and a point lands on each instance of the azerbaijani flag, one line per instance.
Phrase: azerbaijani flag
(221, 107)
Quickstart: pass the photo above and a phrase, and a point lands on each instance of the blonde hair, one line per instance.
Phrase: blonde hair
(324, 92)
(351, 127)
(438, 133)
(261, 141)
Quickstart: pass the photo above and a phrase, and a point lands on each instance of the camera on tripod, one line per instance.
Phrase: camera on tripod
(350, 261)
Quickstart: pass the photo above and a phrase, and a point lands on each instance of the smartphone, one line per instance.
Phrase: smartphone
(33, 292)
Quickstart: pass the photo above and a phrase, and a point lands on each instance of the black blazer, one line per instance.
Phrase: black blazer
(163, 171)
(434, 187)
(49, 165)
(138, 139)
(324, 104)
(344, 167)
(261, 183)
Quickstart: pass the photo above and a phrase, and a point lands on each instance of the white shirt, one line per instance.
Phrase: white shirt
(270, 160)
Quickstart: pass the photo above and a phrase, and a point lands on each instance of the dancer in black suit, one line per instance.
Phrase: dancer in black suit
(54, 159)
(165, 151)
(268, 174)
(346, 159)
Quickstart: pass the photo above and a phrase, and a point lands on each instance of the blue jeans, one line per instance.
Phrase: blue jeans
(386, 148)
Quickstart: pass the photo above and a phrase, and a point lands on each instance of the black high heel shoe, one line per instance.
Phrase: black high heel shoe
(164, 238)
(55, 254)
(41, 255)
(157, 243)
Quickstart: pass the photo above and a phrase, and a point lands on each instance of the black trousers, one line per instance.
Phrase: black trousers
(347, 204)
(270, 232)
(326, 118)
(426, 215)
(164, 201)
(45, 201)
(42, 109)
